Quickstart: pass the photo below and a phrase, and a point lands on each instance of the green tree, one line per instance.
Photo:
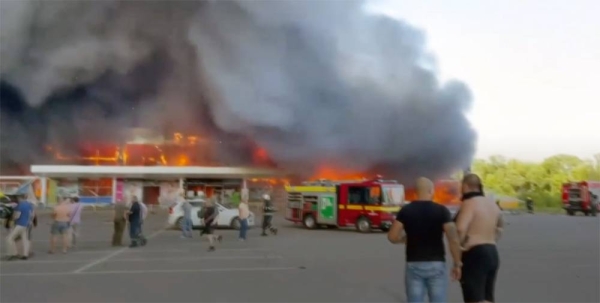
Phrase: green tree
(540, 181)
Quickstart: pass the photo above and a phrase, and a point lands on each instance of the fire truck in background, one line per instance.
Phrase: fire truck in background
(581, 196)
(365, 205)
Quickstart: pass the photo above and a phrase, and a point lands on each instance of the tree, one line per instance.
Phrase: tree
(540, 181)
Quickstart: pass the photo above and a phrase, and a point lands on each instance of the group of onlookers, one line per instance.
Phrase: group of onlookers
(66, 220)
(66, 225)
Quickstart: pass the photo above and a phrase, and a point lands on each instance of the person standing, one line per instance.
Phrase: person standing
(244, 213)
(529, 204)
(119, 223)
(22, 217)
(209, 215)
(75, 222)
(186, 225)
(60, 225)
(268, 212)
(480, 224)
(421, 225)
(33, 224)
(134, 216)
(144, 213)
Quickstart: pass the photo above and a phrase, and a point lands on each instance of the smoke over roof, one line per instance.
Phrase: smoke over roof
(311, 82)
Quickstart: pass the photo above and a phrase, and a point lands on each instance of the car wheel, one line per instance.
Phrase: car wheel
(179, 223)
(363, 225)
(385, 229)
(236, 223)
(309, 221)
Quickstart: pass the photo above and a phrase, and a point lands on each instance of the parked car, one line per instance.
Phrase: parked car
(228, 215)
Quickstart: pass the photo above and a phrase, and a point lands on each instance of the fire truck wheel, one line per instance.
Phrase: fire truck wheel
(309, 222)
(385, 229)
(363, 225)
(570, 212)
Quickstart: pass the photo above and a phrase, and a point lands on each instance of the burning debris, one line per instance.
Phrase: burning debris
(296, 83)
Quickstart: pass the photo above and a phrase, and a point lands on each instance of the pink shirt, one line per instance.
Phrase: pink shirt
(76, 209)
(244, 211)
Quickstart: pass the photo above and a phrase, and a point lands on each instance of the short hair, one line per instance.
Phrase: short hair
(473, 181)
(424, 185)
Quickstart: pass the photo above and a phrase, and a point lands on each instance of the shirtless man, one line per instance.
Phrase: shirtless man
(479, 223)
(60, 226)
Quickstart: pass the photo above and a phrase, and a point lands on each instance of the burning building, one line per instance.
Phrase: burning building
(268, 84)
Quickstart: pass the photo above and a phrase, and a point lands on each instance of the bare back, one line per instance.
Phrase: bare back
(481, 220)
(62, 212)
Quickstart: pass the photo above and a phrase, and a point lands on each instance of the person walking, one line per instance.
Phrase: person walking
(134, 216)
(60, 226)
(119, 223)
(22, 217)
(480, 225)
(209, 215)
(268, 212)
(421, 225)
(186, 224)
(75, 222)
(244, 213)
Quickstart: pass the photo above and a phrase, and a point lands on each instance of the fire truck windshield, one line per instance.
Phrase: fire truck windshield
(393, 194)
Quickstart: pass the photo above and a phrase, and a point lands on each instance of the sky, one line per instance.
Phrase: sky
(532, 66)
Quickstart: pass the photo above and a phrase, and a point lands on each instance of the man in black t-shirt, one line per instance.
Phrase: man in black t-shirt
(210, 215)
(421, 225)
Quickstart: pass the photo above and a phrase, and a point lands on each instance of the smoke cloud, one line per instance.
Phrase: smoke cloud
(311, 82)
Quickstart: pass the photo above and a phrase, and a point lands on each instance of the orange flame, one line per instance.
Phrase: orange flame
(332, 173)
(446, 192)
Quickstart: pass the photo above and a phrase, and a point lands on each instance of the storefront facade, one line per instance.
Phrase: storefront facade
(155, 185)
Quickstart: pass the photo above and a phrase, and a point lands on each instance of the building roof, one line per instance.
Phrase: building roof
(150, 172)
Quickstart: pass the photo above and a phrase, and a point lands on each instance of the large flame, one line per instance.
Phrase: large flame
(333, 173)
(180, 150)
(446, 192)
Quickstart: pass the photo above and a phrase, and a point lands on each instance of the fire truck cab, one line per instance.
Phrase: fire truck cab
(581, 196)
(365, 205)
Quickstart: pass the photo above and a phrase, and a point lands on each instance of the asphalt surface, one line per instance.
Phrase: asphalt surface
(544, 258)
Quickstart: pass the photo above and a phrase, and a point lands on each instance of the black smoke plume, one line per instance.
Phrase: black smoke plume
(313, 82)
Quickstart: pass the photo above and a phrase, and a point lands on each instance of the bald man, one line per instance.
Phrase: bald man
(421, 225)
(479, 222)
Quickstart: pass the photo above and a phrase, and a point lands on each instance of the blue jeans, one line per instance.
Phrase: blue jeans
(135, 230)
(186, 228)
(243, 228)
(426, 278)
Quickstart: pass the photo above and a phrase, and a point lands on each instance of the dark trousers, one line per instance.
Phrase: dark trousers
(266, 224)
(119, 228)
(135, 231)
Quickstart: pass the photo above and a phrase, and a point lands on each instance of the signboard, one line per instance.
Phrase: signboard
(119, 190)
(52, 192)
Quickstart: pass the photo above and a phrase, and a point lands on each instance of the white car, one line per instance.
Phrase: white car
(228, 215)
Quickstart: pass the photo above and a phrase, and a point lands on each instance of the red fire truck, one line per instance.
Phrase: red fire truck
(581, 196)
(366, 204)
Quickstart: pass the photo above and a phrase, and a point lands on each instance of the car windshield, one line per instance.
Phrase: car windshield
(393, 194)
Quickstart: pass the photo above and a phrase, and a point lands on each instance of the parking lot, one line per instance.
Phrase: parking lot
(544, 259)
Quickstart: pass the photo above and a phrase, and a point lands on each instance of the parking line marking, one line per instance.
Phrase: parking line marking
(167, 271)
(107, 257)
(146, 260)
